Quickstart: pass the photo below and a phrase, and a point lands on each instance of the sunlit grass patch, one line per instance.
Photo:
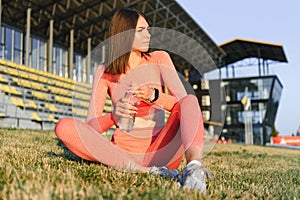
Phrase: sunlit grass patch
(34, 166)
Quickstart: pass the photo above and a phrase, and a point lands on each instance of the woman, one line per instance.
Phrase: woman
(152, 146)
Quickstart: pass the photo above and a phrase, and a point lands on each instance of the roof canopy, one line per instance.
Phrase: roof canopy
(239, 49)
(90, 19)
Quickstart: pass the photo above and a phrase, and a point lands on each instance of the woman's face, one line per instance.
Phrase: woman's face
(142, 36)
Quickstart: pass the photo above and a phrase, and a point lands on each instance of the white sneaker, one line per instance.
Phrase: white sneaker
(194, 176)
(164, 172)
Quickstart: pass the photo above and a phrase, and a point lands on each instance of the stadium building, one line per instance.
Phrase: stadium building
(46, 71)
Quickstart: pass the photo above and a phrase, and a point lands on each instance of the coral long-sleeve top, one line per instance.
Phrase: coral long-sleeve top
(156, 70)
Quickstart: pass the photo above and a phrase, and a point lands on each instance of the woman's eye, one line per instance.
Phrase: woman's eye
(149, 30)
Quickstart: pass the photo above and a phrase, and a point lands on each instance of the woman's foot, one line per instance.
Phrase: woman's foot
(194, 176)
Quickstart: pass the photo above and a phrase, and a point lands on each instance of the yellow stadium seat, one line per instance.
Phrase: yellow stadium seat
(31, 104)
(24, 83)
(33, 77)
(1, 87)
(107, 108)
(64, 100)
(43, 79)
(17, 101)
(81, 112)
(13, 90)
(11, 64)
(2, 79)
(4, 88)
(84, 104)
(22, 67)
(40, 95)
(2, 115)
(38, 86)
(108, 102)
(52, 118)
(16, 80)
(35, 117)
(23, 74)
(2, 68)
(10, 89)
(51, 107)
(11, 71)
(2, 62)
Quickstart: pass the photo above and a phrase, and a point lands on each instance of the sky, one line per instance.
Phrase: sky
(263, 20)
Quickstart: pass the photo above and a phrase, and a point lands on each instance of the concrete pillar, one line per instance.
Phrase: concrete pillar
(50, 46)
(2, 48)
(88, 60)
(0, 14)
(71, 53)
(27, 36)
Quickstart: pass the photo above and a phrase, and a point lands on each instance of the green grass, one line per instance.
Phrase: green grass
(33, 166)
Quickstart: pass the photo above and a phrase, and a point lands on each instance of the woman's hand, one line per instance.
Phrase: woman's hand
(144, 92)
(124, 108)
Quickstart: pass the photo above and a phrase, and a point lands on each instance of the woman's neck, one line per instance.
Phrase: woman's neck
(134, 59)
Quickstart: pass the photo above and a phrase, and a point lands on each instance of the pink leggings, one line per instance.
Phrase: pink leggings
(184, 128)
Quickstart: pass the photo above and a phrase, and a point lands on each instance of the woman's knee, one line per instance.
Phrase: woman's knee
(63, 127)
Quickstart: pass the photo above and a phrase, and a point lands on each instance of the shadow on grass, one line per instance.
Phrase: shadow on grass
(67, 153)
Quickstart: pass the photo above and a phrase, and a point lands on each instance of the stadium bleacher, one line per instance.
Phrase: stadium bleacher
(37, 99)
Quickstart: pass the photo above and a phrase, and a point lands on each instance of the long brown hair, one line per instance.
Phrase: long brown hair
(121, 36)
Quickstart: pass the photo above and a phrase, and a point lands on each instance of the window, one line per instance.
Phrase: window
(64, 62)
(78, 67)
(8, 44)
(58, 61)
(53, 69)
(34, 53)
(2, 47)
(17, 47)
(42, 56)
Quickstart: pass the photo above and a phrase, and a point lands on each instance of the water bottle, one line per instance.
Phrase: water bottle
(126, 123)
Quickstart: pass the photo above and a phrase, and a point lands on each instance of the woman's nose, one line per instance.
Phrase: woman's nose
(148, 34)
